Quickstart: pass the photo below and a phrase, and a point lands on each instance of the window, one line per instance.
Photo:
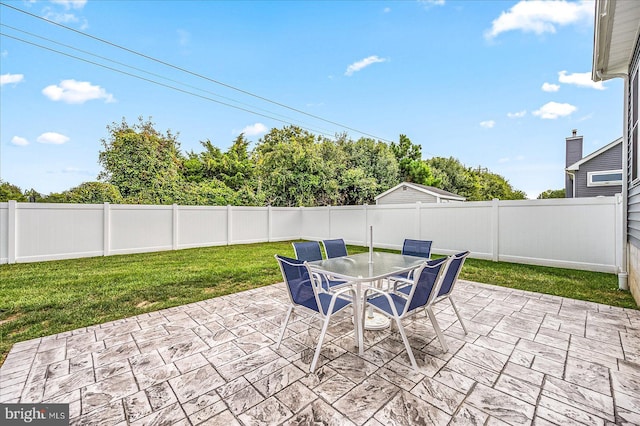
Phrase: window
(634, 154)
(608, 177)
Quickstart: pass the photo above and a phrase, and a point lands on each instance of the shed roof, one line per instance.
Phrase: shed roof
(436, 192)
(577, 164)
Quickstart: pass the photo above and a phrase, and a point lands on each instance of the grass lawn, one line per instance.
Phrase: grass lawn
(39, 299)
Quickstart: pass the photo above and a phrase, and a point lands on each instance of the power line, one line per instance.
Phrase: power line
(193, 73)
(157, 82)
(292, 120)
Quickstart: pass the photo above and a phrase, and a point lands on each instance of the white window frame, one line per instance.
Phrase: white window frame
(591, 183)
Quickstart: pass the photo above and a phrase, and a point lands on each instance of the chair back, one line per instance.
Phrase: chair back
(307, 251)
(335, 248)
(427, 281)
(451, 276)
(419, 248)
(299, 285)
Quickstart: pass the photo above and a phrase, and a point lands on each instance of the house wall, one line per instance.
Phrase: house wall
(573, 154)
(408, 195)
(608, 160)
(633, 187)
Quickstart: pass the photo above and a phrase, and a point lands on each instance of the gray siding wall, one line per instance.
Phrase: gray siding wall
(400, 196)
(573, 154)
(608, 160)
(633, 190)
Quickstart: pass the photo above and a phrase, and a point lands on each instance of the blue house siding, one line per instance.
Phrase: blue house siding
(633, 180)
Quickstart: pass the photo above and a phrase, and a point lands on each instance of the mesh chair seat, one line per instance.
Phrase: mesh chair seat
(335, 248)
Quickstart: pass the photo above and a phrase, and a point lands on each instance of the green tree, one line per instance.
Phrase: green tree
(93, 193)
(454, 177)
(141, 162)
(9, 191)
(291, 170)
(412, 168)
(552, 193)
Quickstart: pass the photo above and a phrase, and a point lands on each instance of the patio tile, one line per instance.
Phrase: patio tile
(473, 372)
(523, 373)
(352, 367)
(208, 412)
(334, 388)
(196, 383)
(107, 391)
(242, 400)
(278, 380)
(561, 413)
(501, 405)
(296, 396)
(171, 414)
(270, 411)
(483, 357)
(579, 397)
(468, 415)
(136, 406)
(318, 413)
(580, 372)
(406, 409)
(439, 395)
(518, 388)
(360, 403)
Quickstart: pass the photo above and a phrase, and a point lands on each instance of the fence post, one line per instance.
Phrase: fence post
(329, 220)
(174, 231)
(106, 229)
(366, 225)
(11, 232)
(418, 222)
(495, 229)
(269, 224)
(229, 228)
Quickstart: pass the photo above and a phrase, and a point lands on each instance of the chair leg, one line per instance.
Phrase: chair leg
(436, 327)
(406, 343)
(320, 339)
(284, 327)
(455, 309)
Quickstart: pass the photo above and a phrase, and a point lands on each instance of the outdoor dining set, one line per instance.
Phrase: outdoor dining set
(379, 287)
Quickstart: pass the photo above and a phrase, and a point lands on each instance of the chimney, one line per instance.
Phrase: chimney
(573, 154)
(574, 148)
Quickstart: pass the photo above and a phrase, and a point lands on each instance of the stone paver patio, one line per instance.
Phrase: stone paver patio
(528, 359)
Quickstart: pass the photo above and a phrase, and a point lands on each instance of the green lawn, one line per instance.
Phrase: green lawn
(39, 299)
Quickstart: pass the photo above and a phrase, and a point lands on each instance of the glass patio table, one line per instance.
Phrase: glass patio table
(365, 269)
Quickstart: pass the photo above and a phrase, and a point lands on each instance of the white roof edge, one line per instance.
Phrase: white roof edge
(418, 188)
(576, 165)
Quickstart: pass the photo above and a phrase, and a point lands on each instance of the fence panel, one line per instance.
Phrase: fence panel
(202, 226)
(572, 233)
(139, 229)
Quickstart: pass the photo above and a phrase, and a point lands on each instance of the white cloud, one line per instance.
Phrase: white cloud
(504, 160)
(553, 110)
(428, 3)
(254, 129)
(76, 92)
(386, 10)
(70, 4)
(52, 138)
(183, 37)
(357, 66)
(550, 87)
(487, 124)
(540, 17)
(518, 114)
(582, 79)
(11, 79)
(19, 141)
(4, 53)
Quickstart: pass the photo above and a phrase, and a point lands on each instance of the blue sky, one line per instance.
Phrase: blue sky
(499, 84)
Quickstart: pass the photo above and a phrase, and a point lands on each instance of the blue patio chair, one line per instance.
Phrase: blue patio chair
(305, 291)
(335, 248)
(307, 251)
(418, 248)
(448, 283)
(423, 292)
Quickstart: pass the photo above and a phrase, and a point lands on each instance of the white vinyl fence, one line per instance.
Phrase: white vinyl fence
(572, 233)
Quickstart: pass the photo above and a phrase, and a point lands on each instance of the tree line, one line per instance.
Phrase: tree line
(288, 166)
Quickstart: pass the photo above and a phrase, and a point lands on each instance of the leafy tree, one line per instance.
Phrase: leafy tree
(412, 168)
(552, 193)
(376, 159)
(9, 191)
(454, 176)
(93, 193)
(291, 170)
(141, 162)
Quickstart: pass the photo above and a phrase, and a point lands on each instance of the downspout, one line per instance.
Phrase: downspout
(623, 273)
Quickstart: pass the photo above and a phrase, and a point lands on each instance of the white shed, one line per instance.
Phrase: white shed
(408, 192)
